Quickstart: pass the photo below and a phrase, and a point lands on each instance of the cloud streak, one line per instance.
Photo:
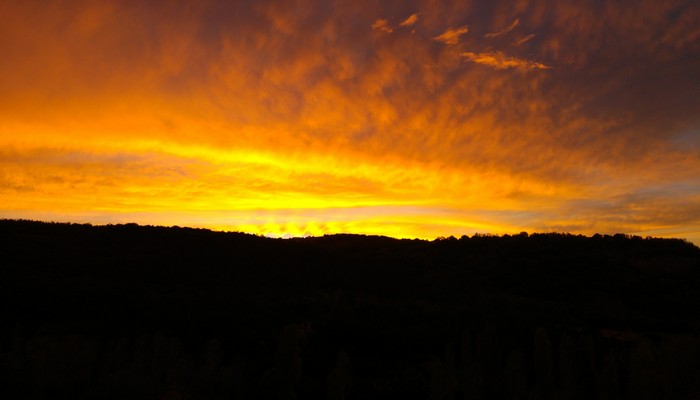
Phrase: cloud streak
(503, 32)
(410, 21)
(452, 36)
(498, 60)
(524, 39)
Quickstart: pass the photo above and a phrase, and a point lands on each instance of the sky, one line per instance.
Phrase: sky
(413, 119)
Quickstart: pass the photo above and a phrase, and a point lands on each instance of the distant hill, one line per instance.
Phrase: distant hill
(128, 311)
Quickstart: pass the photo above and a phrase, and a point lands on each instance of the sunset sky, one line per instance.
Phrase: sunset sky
(400, 118)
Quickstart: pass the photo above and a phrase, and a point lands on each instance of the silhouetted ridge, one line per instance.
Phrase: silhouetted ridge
(128, 311)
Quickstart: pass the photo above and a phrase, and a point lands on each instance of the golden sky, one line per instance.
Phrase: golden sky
(402, 118)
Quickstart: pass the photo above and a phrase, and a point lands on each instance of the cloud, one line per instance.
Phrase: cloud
(382, 25)
(410, 21)
(451, 35)
(504, 31)
(498, 60)
(524, 39)
(134, 108)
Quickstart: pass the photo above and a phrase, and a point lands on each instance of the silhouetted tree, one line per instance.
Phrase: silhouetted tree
(568, 368)
(643, 377)
(515, 371)
(128, 311)
(340, 378)
(543, 364)
(288, 359)
(488, 360)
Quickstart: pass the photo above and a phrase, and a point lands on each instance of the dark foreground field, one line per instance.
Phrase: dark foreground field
(135, 312)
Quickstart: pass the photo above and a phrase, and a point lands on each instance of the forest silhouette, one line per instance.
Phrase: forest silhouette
(144, 312)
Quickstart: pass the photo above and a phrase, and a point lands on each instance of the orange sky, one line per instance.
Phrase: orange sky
(403, 118)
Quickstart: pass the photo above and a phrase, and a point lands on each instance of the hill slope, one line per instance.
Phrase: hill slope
(147, 312)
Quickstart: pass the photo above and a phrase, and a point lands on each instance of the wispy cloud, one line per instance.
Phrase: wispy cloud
(382, 25)
(498, 60)
(524, 39)
(410, 21)
(504, 31)
(451, 35)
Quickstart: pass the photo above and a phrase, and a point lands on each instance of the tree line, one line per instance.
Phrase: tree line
(154, 312)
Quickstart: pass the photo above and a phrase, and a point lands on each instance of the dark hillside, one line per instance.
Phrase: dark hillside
(131, 311)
